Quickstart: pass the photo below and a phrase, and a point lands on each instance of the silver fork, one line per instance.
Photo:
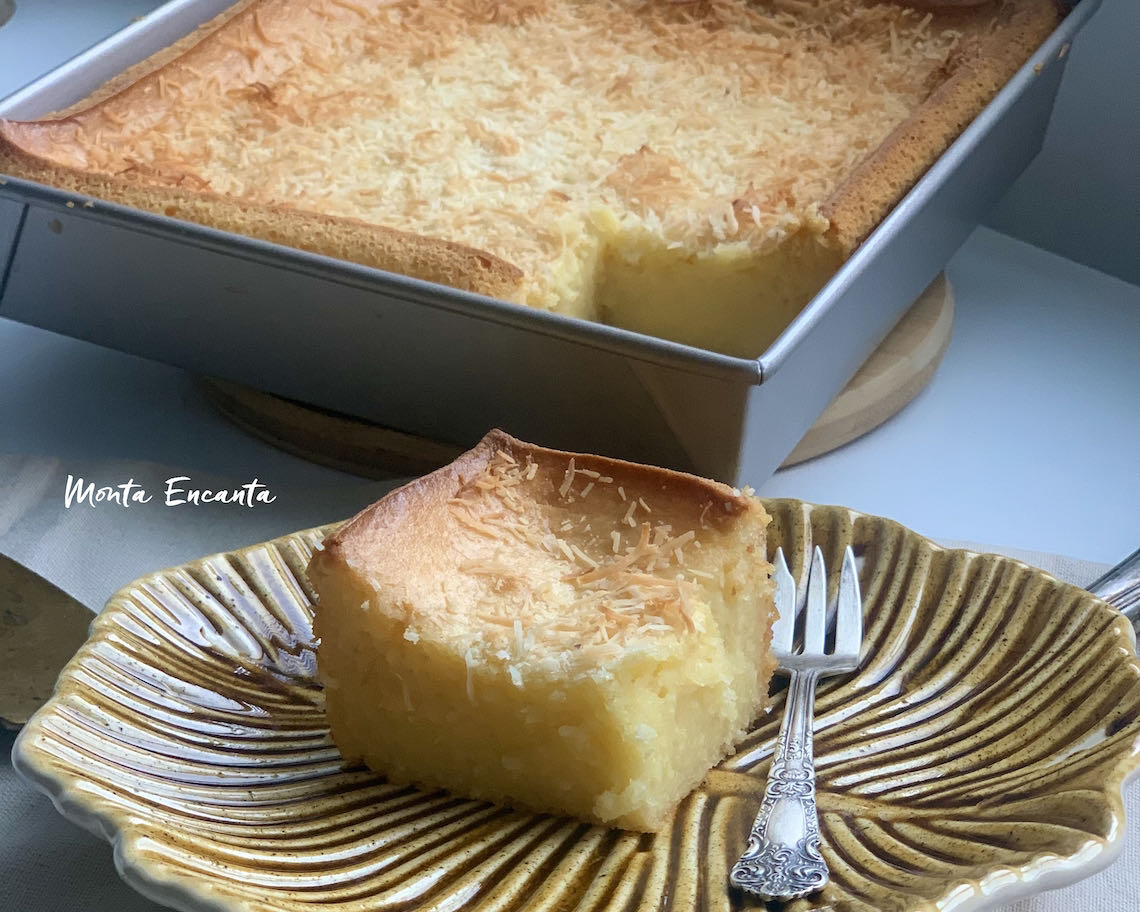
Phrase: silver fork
(782, 860)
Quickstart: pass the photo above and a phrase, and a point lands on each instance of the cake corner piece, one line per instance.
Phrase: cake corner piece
(559, 632)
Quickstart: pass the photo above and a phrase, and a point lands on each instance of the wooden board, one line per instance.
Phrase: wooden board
(894, 374)
(890, 378)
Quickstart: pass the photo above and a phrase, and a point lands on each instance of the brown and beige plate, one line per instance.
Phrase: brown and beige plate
(977, 755)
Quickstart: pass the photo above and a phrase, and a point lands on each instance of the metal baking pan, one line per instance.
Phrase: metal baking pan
(448, 365)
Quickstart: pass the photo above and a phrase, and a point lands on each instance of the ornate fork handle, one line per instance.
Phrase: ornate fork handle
(783, 860)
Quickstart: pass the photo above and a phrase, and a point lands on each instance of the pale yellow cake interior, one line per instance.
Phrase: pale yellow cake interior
(556, 634)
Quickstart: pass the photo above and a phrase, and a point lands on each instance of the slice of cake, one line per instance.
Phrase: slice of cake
(561, 632)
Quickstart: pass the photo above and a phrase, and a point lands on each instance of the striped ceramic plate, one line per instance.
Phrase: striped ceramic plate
(978, 754)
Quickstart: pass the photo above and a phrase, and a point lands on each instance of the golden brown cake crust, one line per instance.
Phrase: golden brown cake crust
(430, 259)
(360, 537)
(418, 510)
(155, 61)
(999, 39)
(32, 149)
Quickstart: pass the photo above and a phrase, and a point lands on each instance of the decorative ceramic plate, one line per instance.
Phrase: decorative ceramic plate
(978, 754)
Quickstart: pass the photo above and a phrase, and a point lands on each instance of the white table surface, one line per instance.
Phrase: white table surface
(1027, 437)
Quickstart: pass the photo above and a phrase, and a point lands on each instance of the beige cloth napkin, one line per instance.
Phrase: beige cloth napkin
(50, 865)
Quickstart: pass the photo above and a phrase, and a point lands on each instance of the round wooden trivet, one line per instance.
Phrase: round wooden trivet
(891, 377)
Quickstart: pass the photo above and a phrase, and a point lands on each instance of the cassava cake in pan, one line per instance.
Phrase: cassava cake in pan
(693, 169)
(561, 632)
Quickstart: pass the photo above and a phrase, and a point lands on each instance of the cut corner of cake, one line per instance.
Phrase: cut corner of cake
(556, 632)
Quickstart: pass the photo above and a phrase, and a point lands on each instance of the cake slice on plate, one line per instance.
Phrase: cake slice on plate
(561, 632)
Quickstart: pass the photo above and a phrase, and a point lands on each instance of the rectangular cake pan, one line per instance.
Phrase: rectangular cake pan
(448, 365)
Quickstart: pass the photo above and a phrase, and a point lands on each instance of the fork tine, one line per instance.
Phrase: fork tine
(785, 627)
(849, 613)
(815, 616)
